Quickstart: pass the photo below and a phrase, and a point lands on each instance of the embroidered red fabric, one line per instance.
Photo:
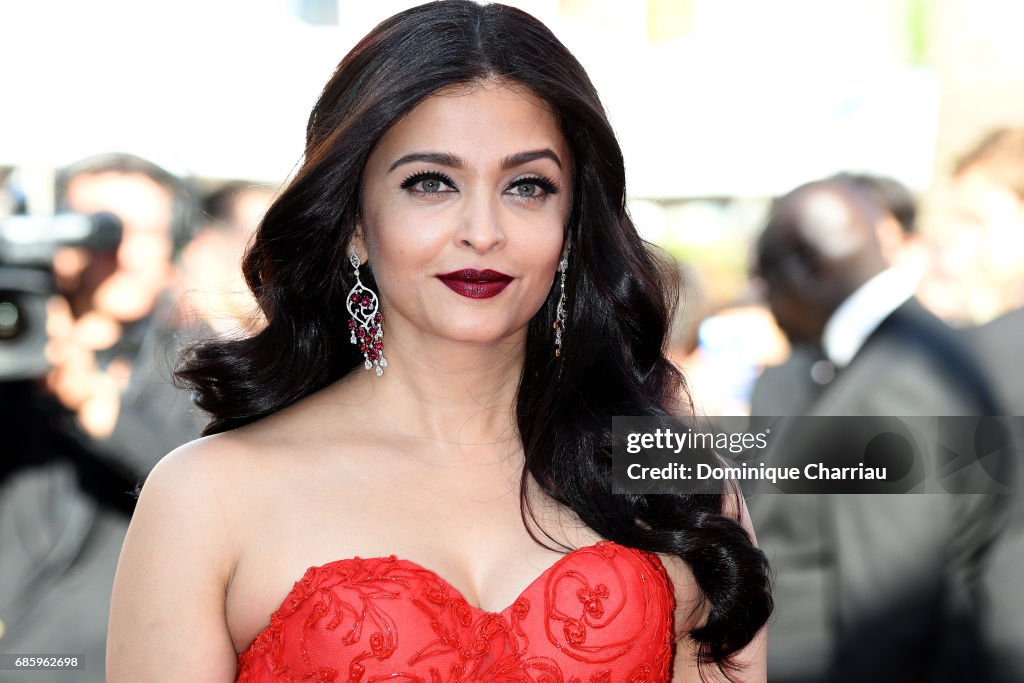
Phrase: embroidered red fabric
(601, 613)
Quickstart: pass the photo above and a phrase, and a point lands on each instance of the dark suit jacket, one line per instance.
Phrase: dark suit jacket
(787, 388)
(155, 416)
(883, 587)
(64, 511)
(1000, 347)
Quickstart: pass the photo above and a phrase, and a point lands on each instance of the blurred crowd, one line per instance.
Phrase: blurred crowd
(851, 309)
(854, 310)
(80, 438)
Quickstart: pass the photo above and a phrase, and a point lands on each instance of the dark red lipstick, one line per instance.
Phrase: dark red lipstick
(476, 284)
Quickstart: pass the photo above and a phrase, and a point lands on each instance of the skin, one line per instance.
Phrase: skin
(410, 237)
(821, 243)
(987, 224)
(104, 291)
(217, 542)
(220, 296)
(127, 289)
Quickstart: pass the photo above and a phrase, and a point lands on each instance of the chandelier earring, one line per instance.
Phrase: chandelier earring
(560, 314)
(365, 322)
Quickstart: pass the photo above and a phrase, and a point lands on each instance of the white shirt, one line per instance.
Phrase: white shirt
(864, 310)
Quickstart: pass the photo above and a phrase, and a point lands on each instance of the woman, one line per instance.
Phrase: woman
(458, 229)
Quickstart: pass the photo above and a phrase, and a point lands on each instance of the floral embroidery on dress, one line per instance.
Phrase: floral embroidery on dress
(602, 613)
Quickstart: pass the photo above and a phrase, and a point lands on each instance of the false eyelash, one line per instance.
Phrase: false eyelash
(426, 175)
(549, 186)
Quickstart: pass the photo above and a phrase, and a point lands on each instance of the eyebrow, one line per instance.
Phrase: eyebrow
(452, 161)
(514, 160)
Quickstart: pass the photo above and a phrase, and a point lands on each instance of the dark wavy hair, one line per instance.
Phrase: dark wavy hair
(620, 297)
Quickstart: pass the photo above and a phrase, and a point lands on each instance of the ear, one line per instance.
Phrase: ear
(358, 243)
(890, 238)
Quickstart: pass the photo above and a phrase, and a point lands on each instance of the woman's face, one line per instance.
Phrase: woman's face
(464, 205)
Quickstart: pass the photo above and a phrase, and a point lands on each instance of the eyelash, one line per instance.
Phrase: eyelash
(549, 186)
(415, 178)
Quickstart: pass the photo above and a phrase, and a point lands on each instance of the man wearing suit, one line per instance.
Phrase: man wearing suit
(988, 194)
(869, 587)
(790, 387)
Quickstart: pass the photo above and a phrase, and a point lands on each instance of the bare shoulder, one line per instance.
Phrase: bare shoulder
(203, 480)
(202, 462)
(177, 559)
(692, 611)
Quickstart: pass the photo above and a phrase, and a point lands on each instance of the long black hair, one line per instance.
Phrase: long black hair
(620, 297)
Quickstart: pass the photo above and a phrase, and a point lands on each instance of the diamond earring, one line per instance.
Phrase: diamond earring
(560, 315)
(365, 323)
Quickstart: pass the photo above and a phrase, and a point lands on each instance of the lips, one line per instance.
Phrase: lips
(476, 284)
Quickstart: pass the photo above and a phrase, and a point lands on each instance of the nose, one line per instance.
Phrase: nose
(480, 225)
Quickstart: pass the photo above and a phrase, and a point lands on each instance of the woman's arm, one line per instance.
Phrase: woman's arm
(167, 618)
(752, 660)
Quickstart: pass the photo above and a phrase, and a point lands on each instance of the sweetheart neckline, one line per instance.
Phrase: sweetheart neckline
(416, 565)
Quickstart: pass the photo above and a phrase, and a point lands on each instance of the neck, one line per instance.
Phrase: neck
(450, 393)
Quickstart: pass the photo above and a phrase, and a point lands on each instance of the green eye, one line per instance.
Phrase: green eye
(536, 188)
(429, 182)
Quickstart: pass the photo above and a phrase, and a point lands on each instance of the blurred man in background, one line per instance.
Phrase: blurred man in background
(869, 587)
(212, 283)
(114, 351)
(988, 192)
(64, 502)
(979, 273)
(790, 387)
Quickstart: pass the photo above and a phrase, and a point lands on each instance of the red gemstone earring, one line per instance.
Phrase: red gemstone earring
(365, 323)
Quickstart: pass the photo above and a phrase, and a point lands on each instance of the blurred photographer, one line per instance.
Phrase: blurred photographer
(114, 343)
(64, 502)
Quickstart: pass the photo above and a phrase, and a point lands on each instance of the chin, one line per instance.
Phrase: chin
(488, 340)
(483, 334)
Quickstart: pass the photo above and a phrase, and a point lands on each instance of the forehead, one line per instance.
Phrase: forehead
(132, 196)
(481, 123)
(975, 182)
(978, 198)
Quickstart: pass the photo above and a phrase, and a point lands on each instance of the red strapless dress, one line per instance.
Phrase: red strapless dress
(601, 613)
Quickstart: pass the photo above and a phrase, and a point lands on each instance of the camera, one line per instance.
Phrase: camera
(28, 244)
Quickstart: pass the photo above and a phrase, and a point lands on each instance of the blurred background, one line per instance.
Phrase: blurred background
(720, 105)
(183, 119)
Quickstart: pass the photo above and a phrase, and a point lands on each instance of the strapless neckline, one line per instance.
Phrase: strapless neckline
(416, 565)
(593, 577)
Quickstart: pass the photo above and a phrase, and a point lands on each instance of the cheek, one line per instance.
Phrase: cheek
(144, 253)
(404, 244)
(539, 251)
(538, 259)
(402, 250)
(782, 304)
